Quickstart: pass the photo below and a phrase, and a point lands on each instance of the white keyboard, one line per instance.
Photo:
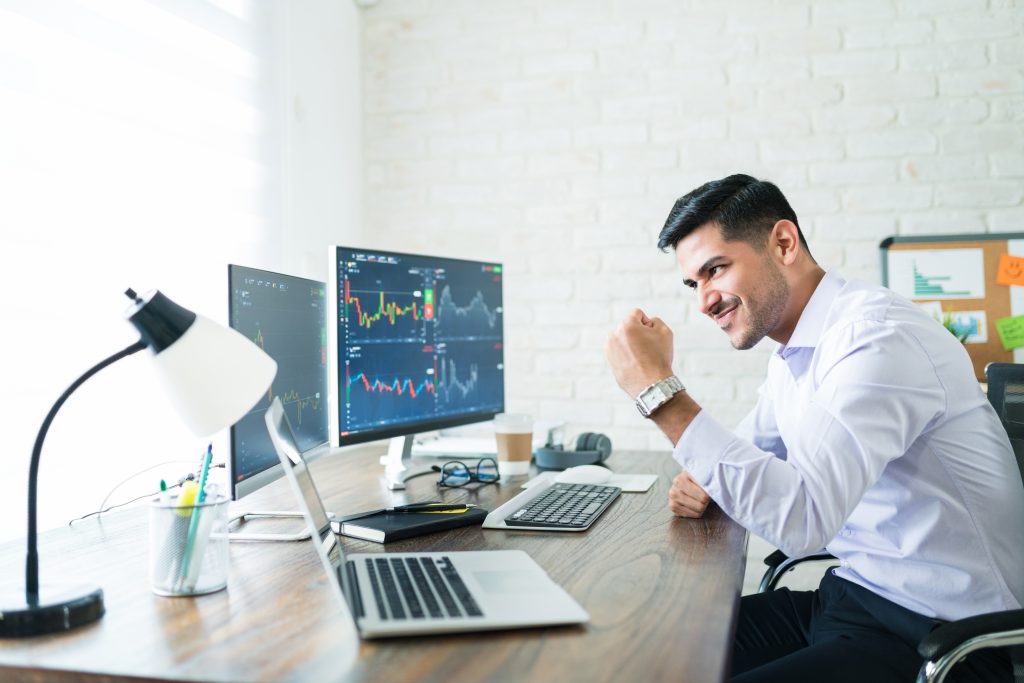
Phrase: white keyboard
(459, 446)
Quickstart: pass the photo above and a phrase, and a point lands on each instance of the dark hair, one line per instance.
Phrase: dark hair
(744, 208)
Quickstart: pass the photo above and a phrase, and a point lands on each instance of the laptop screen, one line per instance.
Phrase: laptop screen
(297, 473)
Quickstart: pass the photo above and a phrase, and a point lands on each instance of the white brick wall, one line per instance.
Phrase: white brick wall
(554, 135)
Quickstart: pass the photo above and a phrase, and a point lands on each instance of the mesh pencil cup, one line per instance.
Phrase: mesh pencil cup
(188, 546)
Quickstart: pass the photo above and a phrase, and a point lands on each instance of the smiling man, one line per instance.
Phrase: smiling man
(870, 437)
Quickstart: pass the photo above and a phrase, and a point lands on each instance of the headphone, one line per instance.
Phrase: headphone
(591, 449)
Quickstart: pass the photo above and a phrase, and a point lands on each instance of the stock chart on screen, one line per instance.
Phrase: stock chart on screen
(419, 340)
(286, 317)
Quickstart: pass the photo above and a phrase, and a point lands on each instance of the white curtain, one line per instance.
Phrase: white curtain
(140, 146)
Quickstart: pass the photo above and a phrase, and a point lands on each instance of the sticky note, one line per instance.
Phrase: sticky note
(1011, 332)
(1011, 270)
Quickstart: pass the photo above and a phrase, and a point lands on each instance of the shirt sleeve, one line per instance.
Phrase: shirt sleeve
(759, 426)
(875, 393)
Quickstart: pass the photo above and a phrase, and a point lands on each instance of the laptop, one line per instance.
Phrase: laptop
(403, 594)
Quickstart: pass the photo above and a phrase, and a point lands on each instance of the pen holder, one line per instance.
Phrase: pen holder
(188, 546)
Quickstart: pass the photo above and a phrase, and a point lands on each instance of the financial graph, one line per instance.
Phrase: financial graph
(383, 384)
(468, 375)
(381, 305)
(419, 339)
(301, 360)
(286, 317)
(475, 320)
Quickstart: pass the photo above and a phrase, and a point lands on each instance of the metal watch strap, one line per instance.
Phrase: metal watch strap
(658, 394)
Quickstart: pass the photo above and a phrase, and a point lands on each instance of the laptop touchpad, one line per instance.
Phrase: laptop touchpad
(509, 581)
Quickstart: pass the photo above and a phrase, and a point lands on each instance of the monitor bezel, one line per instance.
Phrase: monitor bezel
(408, 428)
(273, 472)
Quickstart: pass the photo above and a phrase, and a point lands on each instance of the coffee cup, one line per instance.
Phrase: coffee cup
(514, 435)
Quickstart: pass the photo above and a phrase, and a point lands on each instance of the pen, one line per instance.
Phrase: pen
(178, 533)
(163, 492)
(426, 507)
(422, 508)
(194, 522)
(205, 472)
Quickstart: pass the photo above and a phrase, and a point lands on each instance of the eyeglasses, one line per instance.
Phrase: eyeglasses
(457, 473)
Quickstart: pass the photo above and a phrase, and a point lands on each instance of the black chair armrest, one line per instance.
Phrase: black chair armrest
(775, 559)
(947, 636)
(779, 563)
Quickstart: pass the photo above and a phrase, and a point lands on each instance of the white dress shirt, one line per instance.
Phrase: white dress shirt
(872, 438)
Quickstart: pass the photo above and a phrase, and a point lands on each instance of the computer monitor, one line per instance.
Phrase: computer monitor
(416, 344)
(286, 316)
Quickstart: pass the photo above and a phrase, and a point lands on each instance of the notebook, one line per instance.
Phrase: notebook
(400, 594)
(385, 527)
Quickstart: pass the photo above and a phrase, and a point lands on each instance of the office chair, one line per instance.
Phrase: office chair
(949, 643)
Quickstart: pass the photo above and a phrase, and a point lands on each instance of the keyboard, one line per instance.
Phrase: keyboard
(455, 446)
(567, 506)
(439, 591)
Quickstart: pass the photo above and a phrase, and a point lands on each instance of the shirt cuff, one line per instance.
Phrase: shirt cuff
(701, 446)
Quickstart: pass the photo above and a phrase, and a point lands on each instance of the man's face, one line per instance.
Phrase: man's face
(737, 285)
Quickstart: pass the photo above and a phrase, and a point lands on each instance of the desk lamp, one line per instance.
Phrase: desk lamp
(213, 374)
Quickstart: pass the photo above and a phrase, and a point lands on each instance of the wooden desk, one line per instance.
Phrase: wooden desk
(661, 592)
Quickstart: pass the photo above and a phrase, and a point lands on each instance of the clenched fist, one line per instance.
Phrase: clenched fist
(686, 498)
(639, 352)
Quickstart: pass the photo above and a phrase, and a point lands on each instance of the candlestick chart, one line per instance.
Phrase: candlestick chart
(419, 339)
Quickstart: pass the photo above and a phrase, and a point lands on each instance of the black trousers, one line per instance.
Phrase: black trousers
(840, 632)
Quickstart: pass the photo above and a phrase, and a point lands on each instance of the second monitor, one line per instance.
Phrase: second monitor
(285, 316)
(416, 343)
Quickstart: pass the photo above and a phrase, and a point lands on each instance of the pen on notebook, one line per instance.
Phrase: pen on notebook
(427, 507)
(422, 508)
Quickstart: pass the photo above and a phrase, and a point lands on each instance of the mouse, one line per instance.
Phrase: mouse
(585, 474)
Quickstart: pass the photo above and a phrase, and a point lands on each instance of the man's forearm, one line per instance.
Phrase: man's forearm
(675, 416)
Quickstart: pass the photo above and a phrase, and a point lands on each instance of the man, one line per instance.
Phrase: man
(870, 437)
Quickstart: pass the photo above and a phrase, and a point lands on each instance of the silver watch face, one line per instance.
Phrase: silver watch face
(656, 395)
(642, 408)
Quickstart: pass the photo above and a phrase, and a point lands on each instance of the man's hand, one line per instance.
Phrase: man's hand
(686, 498)
(639, 352)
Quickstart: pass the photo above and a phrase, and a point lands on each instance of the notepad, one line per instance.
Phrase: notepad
(385, 527)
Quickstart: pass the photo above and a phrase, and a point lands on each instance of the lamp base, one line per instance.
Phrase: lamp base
(61, 607)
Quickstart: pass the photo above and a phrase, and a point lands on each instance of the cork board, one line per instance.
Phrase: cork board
(969, 287)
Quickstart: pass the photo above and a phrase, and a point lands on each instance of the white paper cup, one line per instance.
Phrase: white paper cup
(514, 435)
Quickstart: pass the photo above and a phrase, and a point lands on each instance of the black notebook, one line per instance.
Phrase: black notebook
(384, 527)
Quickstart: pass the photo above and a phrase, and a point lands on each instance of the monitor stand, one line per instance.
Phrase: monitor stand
(244, 517)
(398, 467)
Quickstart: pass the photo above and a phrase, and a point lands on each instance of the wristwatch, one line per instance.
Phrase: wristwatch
(658, 394)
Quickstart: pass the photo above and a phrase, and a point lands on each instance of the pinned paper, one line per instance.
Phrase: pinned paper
(970, 323)
(1011, 332)
(937, 274)
(1011, 270)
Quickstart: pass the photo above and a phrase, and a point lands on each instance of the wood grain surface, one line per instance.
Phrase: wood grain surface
(661, 591)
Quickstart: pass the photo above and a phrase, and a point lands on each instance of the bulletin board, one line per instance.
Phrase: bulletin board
(960, 275)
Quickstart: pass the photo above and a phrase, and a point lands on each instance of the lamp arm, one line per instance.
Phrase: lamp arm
(32, 561)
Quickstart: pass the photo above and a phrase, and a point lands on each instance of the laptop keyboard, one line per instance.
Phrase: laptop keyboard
(418, 588)
(568, 506)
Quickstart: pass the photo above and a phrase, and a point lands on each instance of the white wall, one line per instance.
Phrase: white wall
(123, 185)
(323, 150)
(555, 135)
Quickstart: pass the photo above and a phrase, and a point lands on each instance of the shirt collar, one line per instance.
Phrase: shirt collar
(812, 320)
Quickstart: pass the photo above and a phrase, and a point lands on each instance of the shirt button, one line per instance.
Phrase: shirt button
(691, 464)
